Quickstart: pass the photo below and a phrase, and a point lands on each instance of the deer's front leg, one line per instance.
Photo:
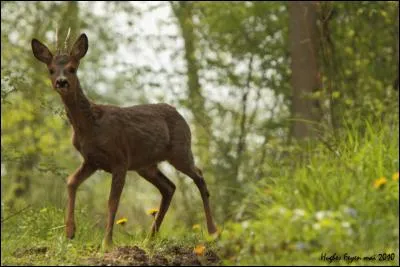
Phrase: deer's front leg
(80, 175)
(117, 184)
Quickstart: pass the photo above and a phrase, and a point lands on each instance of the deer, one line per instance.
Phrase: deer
(120, 139)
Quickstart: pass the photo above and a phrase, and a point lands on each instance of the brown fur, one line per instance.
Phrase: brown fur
(118, 139)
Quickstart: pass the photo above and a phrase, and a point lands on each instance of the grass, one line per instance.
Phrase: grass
(36, 237)
(327, 208)
(23, 235)
(329, 202)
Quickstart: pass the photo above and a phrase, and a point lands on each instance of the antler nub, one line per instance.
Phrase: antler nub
(57, 49)
(66, 39)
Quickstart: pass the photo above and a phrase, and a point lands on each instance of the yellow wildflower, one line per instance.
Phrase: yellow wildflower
(122, 221)
(196, 227)
(152, 212)
(395, 176)
(199, 250)
(380, 182)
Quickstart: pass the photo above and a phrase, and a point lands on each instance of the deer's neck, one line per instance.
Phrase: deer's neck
(79, 112)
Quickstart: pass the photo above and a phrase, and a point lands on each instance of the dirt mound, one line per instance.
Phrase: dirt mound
(173, 256)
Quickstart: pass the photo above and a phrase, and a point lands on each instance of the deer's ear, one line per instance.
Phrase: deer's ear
(80, 47)
(41, 52)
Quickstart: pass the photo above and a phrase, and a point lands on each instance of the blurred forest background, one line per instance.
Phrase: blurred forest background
(293, 109)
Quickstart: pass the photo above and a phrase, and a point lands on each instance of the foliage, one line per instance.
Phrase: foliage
(358, 74)
(275, 203)
(327, 204)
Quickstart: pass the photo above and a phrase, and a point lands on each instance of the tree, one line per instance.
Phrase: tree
(304, 64)
(195, 101)
(31, 111)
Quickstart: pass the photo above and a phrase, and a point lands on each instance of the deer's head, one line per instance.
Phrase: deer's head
(63, 66)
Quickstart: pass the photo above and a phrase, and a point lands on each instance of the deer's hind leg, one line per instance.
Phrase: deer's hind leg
(186, 165)
(166, 188)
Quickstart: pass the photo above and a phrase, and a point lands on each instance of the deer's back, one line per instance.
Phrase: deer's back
(138, 135)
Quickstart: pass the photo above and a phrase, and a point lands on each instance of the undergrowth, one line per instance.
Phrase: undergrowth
(334, 205)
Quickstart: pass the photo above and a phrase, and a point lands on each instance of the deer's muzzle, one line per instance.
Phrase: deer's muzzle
(62, 83)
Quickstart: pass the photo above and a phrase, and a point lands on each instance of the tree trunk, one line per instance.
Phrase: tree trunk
(305, 78)
(196, 101)
(396, 81)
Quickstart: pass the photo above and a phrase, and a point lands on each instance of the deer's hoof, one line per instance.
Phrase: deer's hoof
(213, 230)
(70, 231)
(107, 245)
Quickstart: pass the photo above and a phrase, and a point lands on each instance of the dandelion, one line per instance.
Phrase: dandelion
(152, 212)
(199, 250)
(196, 227)
(122, 221)
(395, 176)
(380, 182)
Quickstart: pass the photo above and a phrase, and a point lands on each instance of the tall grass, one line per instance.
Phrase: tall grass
(328, 202)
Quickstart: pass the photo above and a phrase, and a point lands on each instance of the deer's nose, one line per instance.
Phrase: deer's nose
(61, 83)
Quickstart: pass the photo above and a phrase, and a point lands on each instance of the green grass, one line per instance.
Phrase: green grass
(36, 237)
(23, 234)
(324, 204)
(320, 206)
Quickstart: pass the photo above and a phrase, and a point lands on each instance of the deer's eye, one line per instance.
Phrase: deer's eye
(72, 70)
(51, 71)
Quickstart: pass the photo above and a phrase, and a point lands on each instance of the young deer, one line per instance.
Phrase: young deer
(119, 139)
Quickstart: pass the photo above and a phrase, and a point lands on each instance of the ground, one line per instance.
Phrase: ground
(130, 256)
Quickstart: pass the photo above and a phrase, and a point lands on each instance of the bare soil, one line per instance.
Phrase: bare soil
(172, 256)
